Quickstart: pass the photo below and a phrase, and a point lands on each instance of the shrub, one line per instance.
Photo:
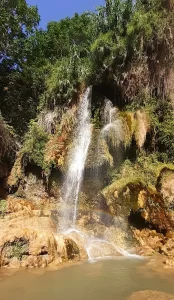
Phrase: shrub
(34, 144)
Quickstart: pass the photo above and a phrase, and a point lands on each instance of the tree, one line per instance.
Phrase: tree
(17, 22)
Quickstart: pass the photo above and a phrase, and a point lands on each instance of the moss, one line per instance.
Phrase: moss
(34, 144)
(141, 175)
(98, 153)
(129, 124)
(17, 249)
(32, 152)
(96, 120)
(58, 145)
(16, 172)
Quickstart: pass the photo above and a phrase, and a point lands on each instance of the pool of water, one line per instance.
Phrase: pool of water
(101, 280)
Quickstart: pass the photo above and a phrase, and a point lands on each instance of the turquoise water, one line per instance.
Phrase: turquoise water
(102, 280)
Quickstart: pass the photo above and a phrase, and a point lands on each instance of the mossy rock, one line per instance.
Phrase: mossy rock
(98, 153)
(165, 186)
(14, 249)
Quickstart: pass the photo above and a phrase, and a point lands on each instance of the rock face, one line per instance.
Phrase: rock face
(165, 185)
(30, 240)
(149, 211)
(149, 241)
(142, 204)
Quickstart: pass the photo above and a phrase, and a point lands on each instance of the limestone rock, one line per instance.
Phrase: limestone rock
(150, 295)
(168, 248)
(32, 242)
(149, 240)
(165, 185)
(169, 263)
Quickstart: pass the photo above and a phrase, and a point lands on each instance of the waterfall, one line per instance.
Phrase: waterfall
(113, 131)
(71, 186)
(95, 246)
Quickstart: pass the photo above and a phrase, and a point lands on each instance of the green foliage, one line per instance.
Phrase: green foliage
(146, 170)
(64, 35)
(148, 22)
(59, 86)
(7, 142)
(102, 48)
(34, 144)
(161, 117)
(64, 80)
(162, 122)
(40, 69)
(17, 22)
(17, 248)
(166, 135)
(19, 97)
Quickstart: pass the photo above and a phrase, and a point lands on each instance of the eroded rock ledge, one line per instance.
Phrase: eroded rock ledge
(28, 239)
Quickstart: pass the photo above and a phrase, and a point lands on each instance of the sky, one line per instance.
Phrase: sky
(54, 10)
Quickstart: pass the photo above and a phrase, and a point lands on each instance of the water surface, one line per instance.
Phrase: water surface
(102, 280)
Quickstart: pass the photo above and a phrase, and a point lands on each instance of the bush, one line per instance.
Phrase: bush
(8, 145)
(34, 144)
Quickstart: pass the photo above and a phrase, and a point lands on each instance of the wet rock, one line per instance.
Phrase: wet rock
(99, 249)
(72, 250)
(75, 246)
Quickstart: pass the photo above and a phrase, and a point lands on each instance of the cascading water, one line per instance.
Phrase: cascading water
(113, 129)
(78, 156)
